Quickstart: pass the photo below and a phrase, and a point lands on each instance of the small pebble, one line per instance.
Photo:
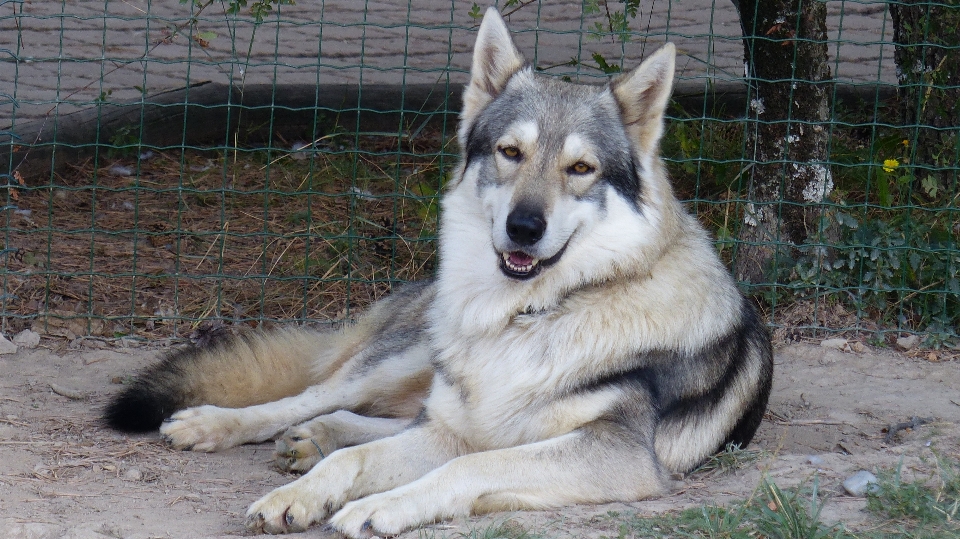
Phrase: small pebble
(839, 344)
(815, 460)
(133, 474)
(909, 342)
(27, 339)
(859, 483)
(7, 347)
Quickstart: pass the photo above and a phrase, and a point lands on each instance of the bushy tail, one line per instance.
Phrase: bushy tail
(234, 372)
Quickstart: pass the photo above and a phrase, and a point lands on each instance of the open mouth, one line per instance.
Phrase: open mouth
(520, 265)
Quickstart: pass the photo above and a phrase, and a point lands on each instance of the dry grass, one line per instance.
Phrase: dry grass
(110, 250)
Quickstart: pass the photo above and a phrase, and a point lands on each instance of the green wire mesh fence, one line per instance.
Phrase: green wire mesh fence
(167, 164)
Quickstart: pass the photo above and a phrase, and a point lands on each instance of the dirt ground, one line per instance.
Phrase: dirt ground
(63, 475)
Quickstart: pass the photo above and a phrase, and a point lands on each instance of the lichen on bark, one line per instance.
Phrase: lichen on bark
(788, 175)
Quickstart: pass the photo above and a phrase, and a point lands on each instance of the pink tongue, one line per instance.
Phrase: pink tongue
(518, 258)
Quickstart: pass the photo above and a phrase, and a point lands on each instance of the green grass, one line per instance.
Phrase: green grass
(922, 508)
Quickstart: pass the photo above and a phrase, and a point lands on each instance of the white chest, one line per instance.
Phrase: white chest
(511, 391)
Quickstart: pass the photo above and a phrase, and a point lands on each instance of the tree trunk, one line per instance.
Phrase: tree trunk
(785, 54)
(927, 37)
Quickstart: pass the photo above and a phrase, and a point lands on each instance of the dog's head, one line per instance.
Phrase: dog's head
(546, 157)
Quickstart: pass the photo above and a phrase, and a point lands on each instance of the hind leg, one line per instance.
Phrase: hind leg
(302, 446)
(394, 386)
(213, 428)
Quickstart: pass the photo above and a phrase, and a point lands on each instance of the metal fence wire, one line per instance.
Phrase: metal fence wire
(167, 164)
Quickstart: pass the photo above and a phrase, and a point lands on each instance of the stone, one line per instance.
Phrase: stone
(133, 474)
(7, 347)
(860, 483)
(27, 339)
(909, 342)
(838, 344)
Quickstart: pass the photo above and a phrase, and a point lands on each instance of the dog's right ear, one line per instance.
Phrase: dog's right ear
(495, 60)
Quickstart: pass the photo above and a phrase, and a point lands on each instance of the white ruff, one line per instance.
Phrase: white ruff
(621, 287)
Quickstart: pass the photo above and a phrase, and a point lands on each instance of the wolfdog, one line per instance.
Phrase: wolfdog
(581, 340)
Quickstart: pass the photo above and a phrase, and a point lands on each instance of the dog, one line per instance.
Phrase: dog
(581, 340)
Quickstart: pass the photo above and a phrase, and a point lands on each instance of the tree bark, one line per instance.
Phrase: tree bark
(785, 56)
(927, 37)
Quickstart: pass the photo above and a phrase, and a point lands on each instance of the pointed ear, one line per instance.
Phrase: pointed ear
(643, 95)
(495, 60)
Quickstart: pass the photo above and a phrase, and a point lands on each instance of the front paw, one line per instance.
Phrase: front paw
(381, 515)
(290, 508)
(300, 448)
(204, 428)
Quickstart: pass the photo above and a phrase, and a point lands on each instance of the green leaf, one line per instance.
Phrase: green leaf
(631, 7)
(930, 186)
(883, 191)
(603, 65)
(847, 220)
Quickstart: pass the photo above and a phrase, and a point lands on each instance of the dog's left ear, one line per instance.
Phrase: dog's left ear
(643, 95)
(495, 60)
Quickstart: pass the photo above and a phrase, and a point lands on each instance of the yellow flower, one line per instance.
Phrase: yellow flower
(906, 143)
(890, 164)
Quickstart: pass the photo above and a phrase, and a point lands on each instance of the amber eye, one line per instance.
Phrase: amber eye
(511, 152)
(581, 168)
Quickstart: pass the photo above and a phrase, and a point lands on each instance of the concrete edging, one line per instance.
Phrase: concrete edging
(196, 116)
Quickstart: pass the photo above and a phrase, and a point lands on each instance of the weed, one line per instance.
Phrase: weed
(786, 516)
(923, 506)
(125, 142)
(712, 522)
(732, 457)
(900, 271)
(791, 514)
(508, 529)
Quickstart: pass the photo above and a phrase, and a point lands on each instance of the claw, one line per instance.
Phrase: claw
(255, 522)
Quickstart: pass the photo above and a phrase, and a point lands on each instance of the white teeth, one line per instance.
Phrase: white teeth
(519, 269)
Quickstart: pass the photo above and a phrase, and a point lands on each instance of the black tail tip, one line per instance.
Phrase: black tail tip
(136, 410)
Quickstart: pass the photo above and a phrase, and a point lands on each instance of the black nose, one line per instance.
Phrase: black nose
(526, 225)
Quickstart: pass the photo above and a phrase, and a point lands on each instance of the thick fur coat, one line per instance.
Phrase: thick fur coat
(580, 342)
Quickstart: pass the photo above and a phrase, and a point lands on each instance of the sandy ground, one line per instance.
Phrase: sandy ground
(63, 475)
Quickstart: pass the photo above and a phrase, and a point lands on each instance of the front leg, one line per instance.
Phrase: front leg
(590, 465)
(212, 428)
(348, 474)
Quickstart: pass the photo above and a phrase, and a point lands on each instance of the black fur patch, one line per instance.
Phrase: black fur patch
(401, 332)
(137, 409)
(155, 395)
(685, 385)
(162, 388)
